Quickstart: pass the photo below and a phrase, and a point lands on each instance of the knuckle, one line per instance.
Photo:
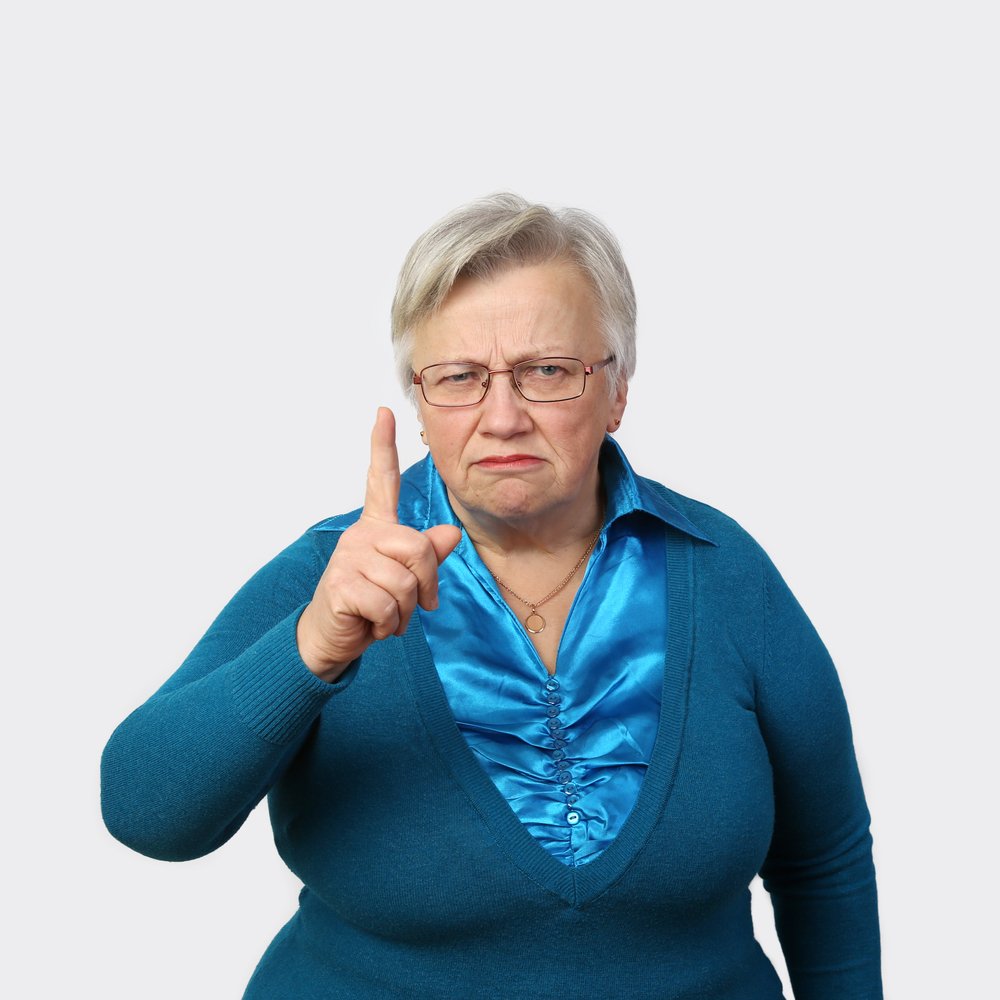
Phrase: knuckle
(418, 548)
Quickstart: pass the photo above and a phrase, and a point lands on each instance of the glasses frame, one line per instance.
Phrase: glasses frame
(588, 370)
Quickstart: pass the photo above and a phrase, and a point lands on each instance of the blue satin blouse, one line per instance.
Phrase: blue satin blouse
(567, 752)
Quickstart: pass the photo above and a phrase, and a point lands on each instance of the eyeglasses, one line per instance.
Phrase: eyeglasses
(540, 380)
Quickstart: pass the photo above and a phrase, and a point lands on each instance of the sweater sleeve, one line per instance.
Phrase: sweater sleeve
(180, 775)
(819, 869)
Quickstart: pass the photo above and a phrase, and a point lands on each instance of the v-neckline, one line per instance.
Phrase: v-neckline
(576, 885)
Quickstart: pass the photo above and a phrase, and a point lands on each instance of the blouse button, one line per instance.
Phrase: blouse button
(557, 743)
(564, 777)
(552, 684)
(568, 789)
(558, 754)
(554, 724)
(573, 818)
(552, 698)
(552, 711)
(571, 800)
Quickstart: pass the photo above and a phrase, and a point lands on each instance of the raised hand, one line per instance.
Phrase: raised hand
(378, 573)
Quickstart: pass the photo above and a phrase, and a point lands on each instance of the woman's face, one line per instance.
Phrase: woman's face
(528, 464)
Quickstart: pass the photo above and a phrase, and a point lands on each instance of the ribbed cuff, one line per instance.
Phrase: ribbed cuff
(275, 693)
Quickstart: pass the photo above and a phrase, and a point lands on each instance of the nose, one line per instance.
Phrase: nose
(504, 411)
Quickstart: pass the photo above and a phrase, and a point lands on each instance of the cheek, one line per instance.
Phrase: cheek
(579, 431)
(448, 439)
(577, 442)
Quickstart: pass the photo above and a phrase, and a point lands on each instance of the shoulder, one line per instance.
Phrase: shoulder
(414, 488)
(322, 537)
(721, 532)
(738, 576)
(337, 523)
(715, 536)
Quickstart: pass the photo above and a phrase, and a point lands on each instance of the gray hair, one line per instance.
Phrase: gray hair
(488, 236)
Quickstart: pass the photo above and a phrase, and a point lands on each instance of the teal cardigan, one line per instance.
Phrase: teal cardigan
(419, 880)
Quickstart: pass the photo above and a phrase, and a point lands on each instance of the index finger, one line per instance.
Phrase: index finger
(382, 491)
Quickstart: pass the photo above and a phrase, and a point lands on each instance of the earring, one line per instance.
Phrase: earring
(423, 435)
(618, 423)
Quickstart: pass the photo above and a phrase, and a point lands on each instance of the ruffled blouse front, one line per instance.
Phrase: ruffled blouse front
(568, 752)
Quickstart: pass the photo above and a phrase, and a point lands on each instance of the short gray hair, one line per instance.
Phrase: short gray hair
(490, 235)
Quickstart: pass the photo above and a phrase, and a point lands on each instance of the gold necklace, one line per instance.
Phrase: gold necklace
(534, 622)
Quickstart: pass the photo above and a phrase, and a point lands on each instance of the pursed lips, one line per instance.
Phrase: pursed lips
(507, 461)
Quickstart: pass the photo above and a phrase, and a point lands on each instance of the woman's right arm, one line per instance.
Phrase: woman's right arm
(181, 773)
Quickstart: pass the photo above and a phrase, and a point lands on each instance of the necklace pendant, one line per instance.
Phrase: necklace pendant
(534, 623)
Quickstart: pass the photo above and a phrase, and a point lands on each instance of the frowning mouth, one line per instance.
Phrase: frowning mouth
(506, 463)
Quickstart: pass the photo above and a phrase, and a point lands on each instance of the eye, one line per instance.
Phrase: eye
(546, 370)
(452, 376)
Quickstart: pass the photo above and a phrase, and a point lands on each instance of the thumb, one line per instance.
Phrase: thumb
(444, 537)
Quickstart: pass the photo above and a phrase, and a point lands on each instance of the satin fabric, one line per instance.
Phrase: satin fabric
(569, 752)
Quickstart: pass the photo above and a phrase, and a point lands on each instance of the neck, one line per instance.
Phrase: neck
(567, 526)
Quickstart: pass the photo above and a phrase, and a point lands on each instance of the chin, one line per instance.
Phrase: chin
(512, 501)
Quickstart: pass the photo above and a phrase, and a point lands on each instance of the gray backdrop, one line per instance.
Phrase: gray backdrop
(204, 207)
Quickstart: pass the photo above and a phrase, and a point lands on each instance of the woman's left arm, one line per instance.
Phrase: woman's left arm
(819, 868)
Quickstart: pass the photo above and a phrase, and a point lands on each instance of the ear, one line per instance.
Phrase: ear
(617, 409)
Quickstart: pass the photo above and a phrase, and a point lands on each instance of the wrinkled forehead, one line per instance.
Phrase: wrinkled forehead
(547, 310)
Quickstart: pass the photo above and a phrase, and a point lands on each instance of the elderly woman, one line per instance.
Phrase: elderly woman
(528, 722)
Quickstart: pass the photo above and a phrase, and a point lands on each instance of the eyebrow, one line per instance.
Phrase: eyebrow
(526, 355)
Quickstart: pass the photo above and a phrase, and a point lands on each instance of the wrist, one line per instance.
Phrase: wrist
(322, 666)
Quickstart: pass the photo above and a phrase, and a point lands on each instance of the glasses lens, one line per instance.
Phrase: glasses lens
(454, 384)
(546, 380)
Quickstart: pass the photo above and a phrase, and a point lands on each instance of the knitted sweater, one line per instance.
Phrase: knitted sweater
(419, 880)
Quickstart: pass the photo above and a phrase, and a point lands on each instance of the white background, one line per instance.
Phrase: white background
(204, 207)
